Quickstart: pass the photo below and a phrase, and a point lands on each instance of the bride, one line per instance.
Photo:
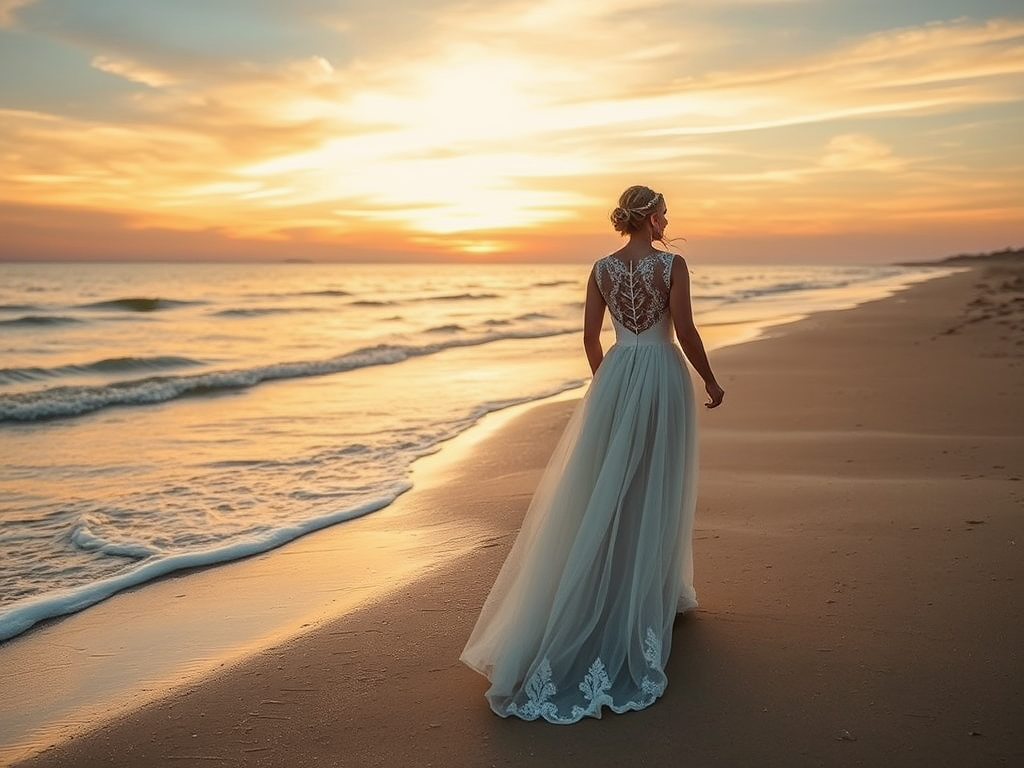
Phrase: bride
(580, 616)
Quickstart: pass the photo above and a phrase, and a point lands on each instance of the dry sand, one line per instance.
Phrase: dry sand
(858, 562)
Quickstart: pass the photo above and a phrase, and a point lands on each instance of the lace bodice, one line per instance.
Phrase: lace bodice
(637, 292)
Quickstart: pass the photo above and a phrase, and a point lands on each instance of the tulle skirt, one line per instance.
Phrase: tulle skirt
(580, 616)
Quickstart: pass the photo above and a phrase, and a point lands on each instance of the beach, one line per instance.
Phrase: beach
(857, 561)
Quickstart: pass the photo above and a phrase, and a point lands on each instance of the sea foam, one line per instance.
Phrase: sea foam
(31, 611)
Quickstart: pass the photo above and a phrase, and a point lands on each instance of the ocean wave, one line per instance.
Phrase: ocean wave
(698, 297)
(445, 329)
(37, 320)
(534, 316)
(121, 364)
(830, 282)
(111, 365)
(82, 537)
(554, 283)
(262, 311)
(19, 308)
(137, 304)
(31, 611)
(428, 299)
(325, 292)
(459, 297)
(792, 287)
(292, 294)
(69, 401)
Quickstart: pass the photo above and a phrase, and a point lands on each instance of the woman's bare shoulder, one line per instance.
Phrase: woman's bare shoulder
(679, 272)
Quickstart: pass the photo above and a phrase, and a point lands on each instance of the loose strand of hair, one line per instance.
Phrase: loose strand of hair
(670, 243)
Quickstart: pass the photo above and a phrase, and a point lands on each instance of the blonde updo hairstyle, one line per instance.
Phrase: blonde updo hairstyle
(635, 205)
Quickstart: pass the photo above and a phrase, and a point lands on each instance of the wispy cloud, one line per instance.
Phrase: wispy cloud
(8, 9)
(132, 71)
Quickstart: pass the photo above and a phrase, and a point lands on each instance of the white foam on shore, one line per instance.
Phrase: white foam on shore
(25, 614)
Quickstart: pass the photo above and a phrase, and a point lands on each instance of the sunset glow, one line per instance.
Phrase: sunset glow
(814, 129)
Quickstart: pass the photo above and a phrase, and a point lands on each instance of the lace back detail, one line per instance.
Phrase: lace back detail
(636, 292)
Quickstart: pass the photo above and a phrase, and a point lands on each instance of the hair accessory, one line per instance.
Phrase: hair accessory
(648, 207)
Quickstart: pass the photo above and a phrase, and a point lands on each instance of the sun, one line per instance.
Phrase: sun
(452, 148)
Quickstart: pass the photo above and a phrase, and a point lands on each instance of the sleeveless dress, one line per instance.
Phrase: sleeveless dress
(580, 616)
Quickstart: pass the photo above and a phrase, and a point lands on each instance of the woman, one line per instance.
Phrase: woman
(580, 616)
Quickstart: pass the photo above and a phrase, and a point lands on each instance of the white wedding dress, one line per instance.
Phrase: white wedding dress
(580, 616)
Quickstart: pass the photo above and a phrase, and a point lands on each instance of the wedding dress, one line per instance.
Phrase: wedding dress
(580, 616)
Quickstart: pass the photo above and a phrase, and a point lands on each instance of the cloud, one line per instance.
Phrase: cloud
(928, 70)
(130, 70)
(859, 152)
(8, 10)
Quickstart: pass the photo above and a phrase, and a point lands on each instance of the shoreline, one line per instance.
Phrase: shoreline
(492, 481)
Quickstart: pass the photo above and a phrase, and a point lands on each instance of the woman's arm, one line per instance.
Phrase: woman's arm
(593, 320)
(686, 331)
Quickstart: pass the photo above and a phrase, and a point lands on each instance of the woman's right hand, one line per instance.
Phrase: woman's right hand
(715, 392)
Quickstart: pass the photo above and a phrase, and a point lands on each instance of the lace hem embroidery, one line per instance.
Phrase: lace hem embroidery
(594, 687)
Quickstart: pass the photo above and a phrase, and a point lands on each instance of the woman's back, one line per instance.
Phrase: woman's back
(636, 292)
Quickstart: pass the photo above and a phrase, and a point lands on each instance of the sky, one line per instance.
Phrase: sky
(782, 131)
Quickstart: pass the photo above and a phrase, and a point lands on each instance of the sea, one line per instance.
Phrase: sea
(158, 417)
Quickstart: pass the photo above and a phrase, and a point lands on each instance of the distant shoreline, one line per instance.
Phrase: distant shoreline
(968, 259)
